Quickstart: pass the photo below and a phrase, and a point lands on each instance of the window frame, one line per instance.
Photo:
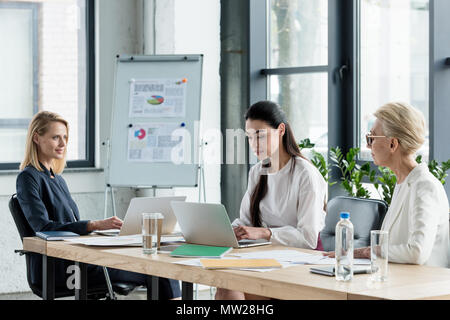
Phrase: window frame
(439, 80)
(21, 123)
(260, 71)
(439, 76)
(89, 162)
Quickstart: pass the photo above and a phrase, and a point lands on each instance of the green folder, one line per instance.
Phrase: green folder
(199, 251)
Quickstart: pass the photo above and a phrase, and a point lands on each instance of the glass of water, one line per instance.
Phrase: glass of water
(379, 244)
(151, 231)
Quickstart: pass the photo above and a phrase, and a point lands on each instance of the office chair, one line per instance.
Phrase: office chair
(365, 215)
(94, 292)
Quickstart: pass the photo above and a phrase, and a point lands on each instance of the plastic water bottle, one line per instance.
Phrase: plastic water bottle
(344, 248)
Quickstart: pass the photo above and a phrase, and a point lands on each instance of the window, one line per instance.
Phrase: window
(46, 63)
(394, 59)
(331, 64)
(296, 67)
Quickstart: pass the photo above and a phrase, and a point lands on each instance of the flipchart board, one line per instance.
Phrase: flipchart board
(156, 111)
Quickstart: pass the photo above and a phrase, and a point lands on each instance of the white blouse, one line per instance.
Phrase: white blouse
(293, 207)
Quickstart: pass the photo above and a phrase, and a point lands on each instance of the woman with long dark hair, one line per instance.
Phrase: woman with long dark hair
(286, 195)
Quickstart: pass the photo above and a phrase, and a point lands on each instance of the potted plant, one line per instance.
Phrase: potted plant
(353, 174)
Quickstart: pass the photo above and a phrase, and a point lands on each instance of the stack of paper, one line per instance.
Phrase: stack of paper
(286, 258)
(291, 256)
(240, 263)
(171, 239)
(296, 257)
(197, 263)
(133, 240)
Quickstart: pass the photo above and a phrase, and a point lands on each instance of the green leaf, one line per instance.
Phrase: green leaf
(347, 187)
(306, 144)
(351, 166)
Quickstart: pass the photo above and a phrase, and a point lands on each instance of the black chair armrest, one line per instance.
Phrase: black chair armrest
(20, 252)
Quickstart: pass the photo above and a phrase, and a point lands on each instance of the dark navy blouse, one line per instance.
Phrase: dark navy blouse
(46, 202)
(48, 206)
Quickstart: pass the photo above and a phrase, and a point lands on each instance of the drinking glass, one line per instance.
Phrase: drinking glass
(379, 254)
(151, 232)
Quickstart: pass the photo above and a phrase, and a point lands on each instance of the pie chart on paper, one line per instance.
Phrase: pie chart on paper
(156, 100)
(140, 134)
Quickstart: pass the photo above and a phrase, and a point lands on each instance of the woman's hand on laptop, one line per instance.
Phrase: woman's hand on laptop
(110, 223)
(252, 233)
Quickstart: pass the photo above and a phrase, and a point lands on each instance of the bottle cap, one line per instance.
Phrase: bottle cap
(345, 215)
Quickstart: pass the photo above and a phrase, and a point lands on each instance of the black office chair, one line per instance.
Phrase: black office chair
(365, 215)
(94, 292)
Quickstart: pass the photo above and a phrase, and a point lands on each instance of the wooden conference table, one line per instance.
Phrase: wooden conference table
(404, 281)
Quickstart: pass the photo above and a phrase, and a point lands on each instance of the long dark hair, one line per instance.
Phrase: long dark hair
(273, 115)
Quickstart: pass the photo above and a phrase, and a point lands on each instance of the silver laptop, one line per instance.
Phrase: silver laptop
(208, 224)
(132, 223)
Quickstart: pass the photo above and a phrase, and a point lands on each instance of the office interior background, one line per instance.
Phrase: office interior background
(329, 63)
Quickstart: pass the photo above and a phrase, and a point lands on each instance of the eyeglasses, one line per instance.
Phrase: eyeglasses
(370, 138)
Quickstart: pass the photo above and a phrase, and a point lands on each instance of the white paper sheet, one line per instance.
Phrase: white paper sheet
(332, 261)
(133, 240)
(172, 239)
(296, 257)
(158, 98)
(197, 263)
(282, 256)
(156, 142)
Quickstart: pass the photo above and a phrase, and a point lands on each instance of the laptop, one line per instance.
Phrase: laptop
(132, 223)
(208, 224)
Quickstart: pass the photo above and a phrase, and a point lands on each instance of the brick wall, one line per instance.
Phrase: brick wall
(59, 62)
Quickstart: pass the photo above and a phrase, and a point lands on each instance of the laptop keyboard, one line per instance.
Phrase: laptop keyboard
(245, 242)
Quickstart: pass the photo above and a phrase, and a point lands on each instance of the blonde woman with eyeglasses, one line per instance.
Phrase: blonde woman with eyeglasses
(47, 205)
(418, 217)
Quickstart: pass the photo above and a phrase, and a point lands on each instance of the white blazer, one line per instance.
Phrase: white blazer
(418, 221)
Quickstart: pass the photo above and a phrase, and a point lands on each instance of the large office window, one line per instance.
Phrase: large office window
(394, 59)
(46, 63)
(331, 64)
(297, 71)
(389, 60)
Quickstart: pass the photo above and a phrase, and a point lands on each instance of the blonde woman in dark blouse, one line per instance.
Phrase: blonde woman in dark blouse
(46, 202)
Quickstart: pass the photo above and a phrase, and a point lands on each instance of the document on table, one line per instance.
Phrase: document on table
(287, 258)
(172, 239)
(290, 256)
(117, 241)
(197, 263)
(295, 257)
(332, 261)
(133, 240)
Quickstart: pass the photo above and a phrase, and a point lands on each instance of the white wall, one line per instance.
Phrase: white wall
(201, 35)
(119, 29)
(181, 29)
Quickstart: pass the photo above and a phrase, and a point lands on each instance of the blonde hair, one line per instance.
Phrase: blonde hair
(40, 124)
(404, 122)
